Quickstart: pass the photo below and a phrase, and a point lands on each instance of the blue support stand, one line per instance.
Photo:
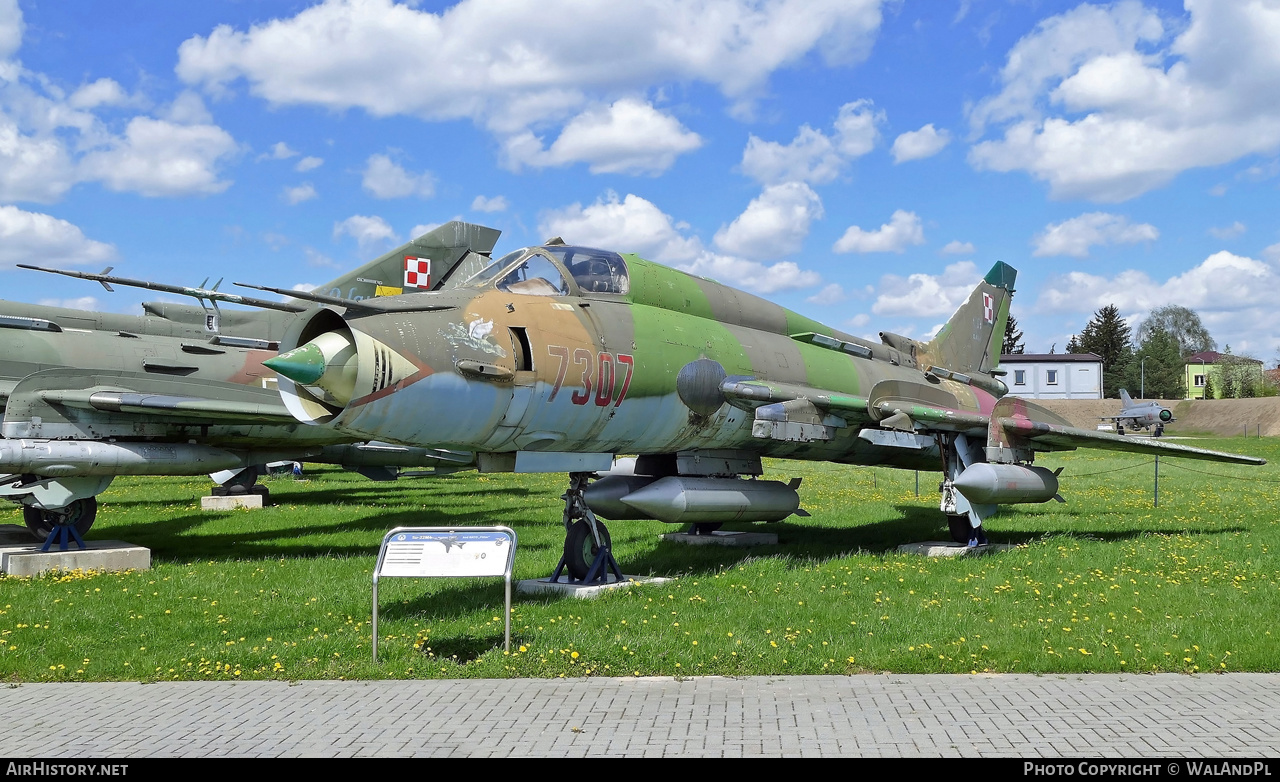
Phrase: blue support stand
(63, 534)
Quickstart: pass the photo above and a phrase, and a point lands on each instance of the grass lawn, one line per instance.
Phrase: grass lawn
(1105, 582)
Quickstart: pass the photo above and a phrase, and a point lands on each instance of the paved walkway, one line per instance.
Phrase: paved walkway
(882, 715)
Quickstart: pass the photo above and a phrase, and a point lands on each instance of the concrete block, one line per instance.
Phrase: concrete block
(722, 538)
(940, 548)
(544, 586)
(231, 502)
(110, 555)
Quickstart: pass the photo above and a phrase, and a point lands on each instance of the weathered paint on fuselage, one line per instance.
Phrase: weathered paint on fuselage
(604, 369)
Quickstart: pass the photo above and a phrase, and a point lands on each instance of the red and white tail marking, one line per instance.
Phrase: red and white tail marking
(417, 272)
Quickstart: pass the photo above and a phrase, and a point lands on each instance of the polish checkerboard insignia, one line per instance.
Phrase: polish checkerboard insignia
(417, 272)
(988, 308)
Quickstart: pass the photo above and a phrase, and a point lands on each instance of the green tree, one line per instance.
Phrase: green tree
(1210, 390)
(1107, 335)
(1012, 343)
(1162, 375)
(1180, 323)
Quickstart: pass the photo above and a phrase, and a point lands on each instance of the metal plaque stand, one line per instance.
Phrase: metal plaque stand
(446, 552)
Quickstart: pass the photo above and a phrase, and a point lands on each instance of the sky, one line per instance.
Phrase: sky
(863, 162)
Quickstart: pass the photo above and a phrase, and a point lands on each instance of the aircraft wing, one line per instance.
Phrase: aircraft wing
(1017, 423)
(121, 403)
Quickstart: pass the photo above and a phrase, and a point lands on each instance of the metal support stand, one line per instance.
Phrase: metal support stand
(575, 510)
(63, 534)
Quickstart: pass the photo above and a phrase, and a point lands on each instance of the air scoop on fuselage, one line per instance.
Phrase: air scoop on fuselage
(328, 363)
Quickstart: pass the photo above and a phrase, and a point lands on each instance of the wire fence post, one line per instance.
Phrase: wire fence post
(917, 484)
(1156, 503)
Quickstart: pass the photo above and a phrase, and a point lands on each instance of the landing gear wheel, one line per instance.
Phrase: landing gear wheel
(1159, 430)
(80, 514)
(1119, 429)
(580, 547)
(705, 528)
(961, 531)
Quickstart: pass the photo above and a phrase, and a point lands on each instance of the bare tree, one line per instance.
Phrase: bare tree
(1180, 323)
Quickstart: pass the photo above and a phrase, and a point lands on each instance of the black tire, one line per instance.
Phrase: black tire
(960, 528)
(1159, 430)
(1119, 429)
(80, 514)
(580, 547)
(705, 528)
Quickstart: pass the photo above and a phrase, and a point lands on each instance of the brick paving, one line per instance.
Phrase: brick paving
(1116, 716)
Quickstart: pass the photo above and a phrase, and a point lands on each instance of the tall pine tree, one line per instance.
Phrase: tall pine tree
(1107, 335)
(1012, 343)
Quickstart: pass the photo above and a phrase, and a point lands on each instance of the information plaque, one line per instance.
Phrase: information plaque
(446, 552)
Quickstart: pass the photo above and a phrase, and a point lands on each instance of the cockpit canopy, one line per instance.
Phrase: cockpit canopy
(545, 271)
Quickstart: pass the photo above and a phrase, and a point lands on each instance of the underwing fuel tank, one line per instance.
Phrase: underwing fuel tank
(1001, 484)
(68, 458)
(678, 499)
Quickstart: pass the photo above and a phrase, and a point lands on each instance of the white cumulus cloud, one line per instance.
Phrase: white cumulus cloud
(774, 224)
(902, 230)
(41, 239)
(307, 163)
(1101, 104)
(1233, 294)
(626, 137)
(916, 144)
(489, 59)
(957, 247)
(161, 158)
(923, 295)
(483, 204)
(634, 224)
(384, 178)
(303, 192)
(1228, 231)
(368, 231)
(813, 156)
(1074, 237)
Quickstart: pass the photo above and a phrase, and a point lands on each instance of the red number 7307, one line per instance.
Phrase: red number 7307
(598, 375)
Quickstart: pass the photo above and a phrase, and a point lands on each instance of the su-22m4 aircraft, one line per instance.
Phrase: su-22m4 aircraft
(556, 358)
(1140, 415)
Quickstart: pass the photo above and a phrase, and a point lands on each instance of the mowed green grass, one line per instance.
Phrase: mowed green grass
(1105, 582)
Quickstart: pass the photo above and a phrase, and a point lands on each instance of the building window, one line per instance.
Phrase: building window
(1199, 381)
(1051, 377)
(1019, 377)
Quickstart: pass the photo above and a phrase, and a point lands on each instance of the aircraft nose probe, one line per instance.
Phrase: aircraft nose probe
(328, 363)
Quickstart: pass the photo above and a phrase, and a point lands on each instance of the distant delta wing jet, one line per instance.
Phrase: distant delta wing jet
(181, 390)
(556, 358)
(1139, 416)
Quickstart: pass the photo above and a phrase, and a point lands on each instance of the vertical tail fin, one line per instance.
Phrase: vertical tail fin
(1126, 401)
(418, 265)
(970, 341)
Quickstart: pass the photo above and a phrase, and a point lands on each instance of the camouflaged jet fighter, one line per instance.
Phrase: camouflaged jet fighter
(181, 390)
(557, 358)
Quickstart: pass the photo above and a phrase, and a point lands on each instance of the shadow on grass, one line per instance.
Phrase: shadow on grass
(463, 648)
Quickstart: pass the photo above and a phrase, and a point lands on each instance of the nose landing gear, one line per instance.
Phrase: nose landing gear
(588, 554)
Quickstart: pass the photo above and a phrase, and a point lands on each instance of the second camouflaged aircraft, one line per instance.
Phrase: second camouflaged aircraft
(181, 390)
(556, 358)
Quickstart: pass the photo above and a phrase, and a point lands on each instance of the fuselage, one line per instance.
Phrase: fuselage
(609, 354)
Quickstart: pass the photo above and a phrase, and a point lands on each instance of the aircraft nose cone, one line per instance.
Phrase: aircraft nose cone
(303, 365)
(327, 365)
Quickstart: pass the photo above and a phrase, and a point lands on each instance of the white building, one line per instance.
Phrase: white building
(1053, 375)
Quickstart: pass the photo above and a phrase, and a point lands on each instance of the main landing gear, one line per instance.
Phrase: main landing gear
(63, 525)
(588, 554)
(964, 519)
